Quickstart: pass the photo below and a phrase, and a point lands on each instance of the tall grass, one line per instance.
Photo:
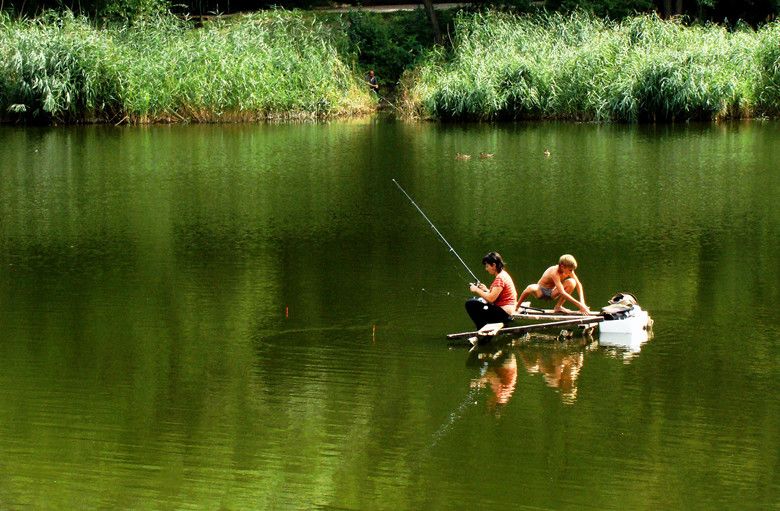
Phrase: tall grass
(767, 91)
(272, 64)
(580, 67)
(58, 67)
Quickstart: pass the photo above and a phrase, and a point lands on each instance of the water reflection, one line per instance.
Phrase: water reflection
(624, 346)
(498, 372)
(560, 369)
(559, 364)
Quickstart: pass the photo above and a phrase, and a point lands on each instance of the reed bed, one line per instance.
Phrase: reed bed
(274, 64)
(555, 66)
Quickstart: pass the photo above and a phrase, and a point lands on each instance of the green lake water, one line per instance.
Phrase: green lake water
(254, 317)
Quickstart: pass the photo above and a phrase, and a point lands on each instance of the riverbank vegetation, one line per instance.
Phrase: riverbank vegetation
(577, 66)
(278, 64)
(273, 64)
(389, 43)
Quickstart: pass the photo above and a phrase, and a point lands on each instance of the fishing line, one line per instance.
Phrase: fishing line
(452, 250)
(436, 293)
(419, 302)
(471, 399)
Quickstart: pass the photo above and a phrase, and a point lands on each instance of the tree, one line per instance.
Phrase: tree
(668, 11)
(434, 22)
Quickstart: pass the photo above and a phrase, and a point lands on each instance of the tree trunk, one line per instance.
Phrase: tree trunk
(667, 8)
(434, 22)
(679, 9)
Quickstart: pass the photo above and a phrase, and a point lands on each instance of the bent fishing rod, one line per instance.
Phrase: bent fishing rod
(382, 98)
(388, 101)
(437, 231)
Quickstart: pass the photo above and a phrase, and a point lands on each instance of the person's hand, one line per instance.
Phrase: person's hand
(585, 310)
(473, 288)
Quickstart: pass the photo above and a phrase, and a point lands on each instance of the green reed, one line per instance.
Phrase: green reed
(55, 66)
(580, 67)
(267, 65)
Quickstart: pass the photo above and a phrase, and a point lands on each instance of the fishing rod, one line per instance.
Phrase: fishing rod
(375, 90)
(382, 98)
(437, 231)
(387, 101)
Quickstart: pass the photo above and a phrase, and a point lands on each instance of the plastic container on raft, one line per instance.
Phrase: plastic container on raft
(635, 321)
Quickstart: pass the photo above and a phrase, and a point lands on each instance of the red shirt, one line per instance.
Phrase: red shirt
(508, 295)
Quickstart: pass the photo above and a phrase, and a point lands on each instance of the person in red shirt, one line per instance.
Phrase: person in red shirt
(496, 303)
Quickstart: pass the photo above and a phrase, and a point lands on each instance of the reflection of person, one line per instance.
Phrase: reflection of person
(558, 283)
(560, 370)
(496, 303)
(373, 83)
(501, 376)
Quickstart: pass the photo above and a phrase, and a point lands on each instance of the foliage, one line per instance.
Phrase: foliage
(56, 67)
(754, 12)
(277, 63)
(767, 89)
(389, 43)
(130, 10)
(614, 9)
(114, 10)
(581, 67)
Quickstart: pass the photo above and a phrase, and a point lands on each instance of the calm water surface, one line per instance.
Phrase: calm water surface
(253, 317)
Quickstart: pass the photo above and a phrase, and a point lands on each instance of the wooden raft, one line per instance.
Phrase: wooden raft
(493, 329)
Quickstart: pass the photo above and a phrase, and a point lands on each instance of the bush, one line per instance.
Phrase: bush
(57, 68)
(577, 66)
(767, 89)
(276, 63)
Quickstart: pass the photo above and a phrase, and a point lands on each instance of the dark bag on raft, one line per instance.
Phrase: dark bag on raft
(619, 306)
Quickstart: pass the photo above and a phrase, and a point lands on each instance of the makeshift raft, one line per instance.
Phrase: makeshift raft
(623, 315)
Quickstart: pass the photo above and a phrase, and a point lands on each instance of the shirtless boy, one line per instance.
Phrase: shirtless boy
(558, 283)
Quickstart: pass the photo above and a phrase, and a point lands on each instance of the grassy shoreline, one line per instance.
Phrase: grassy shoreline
(577, 67)
(293, 65)
(270, 65)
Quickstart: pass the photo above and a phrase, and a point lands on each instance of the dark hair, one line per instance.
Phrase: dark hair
(494, 258)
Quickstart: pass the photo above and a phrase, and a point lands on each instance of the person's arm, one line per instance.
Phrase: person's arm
(562, 292)
(580, 290)
(490, 295)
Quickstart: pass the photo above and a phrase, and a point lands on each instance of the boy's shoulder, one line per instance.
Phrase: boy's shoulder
(549, 272)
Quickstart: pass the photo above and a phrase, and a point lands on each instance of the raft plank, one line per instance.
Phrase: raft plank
(583, 320)
(551, 316)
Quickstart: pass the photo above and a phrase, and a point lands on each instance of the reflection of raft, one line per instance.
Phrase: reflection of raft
(623, 316)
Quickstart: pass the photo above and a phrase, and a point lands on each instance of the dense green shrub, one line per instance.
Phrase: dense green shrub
(57, 67)
(581, 67)
(276, 63)
(767, 90)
